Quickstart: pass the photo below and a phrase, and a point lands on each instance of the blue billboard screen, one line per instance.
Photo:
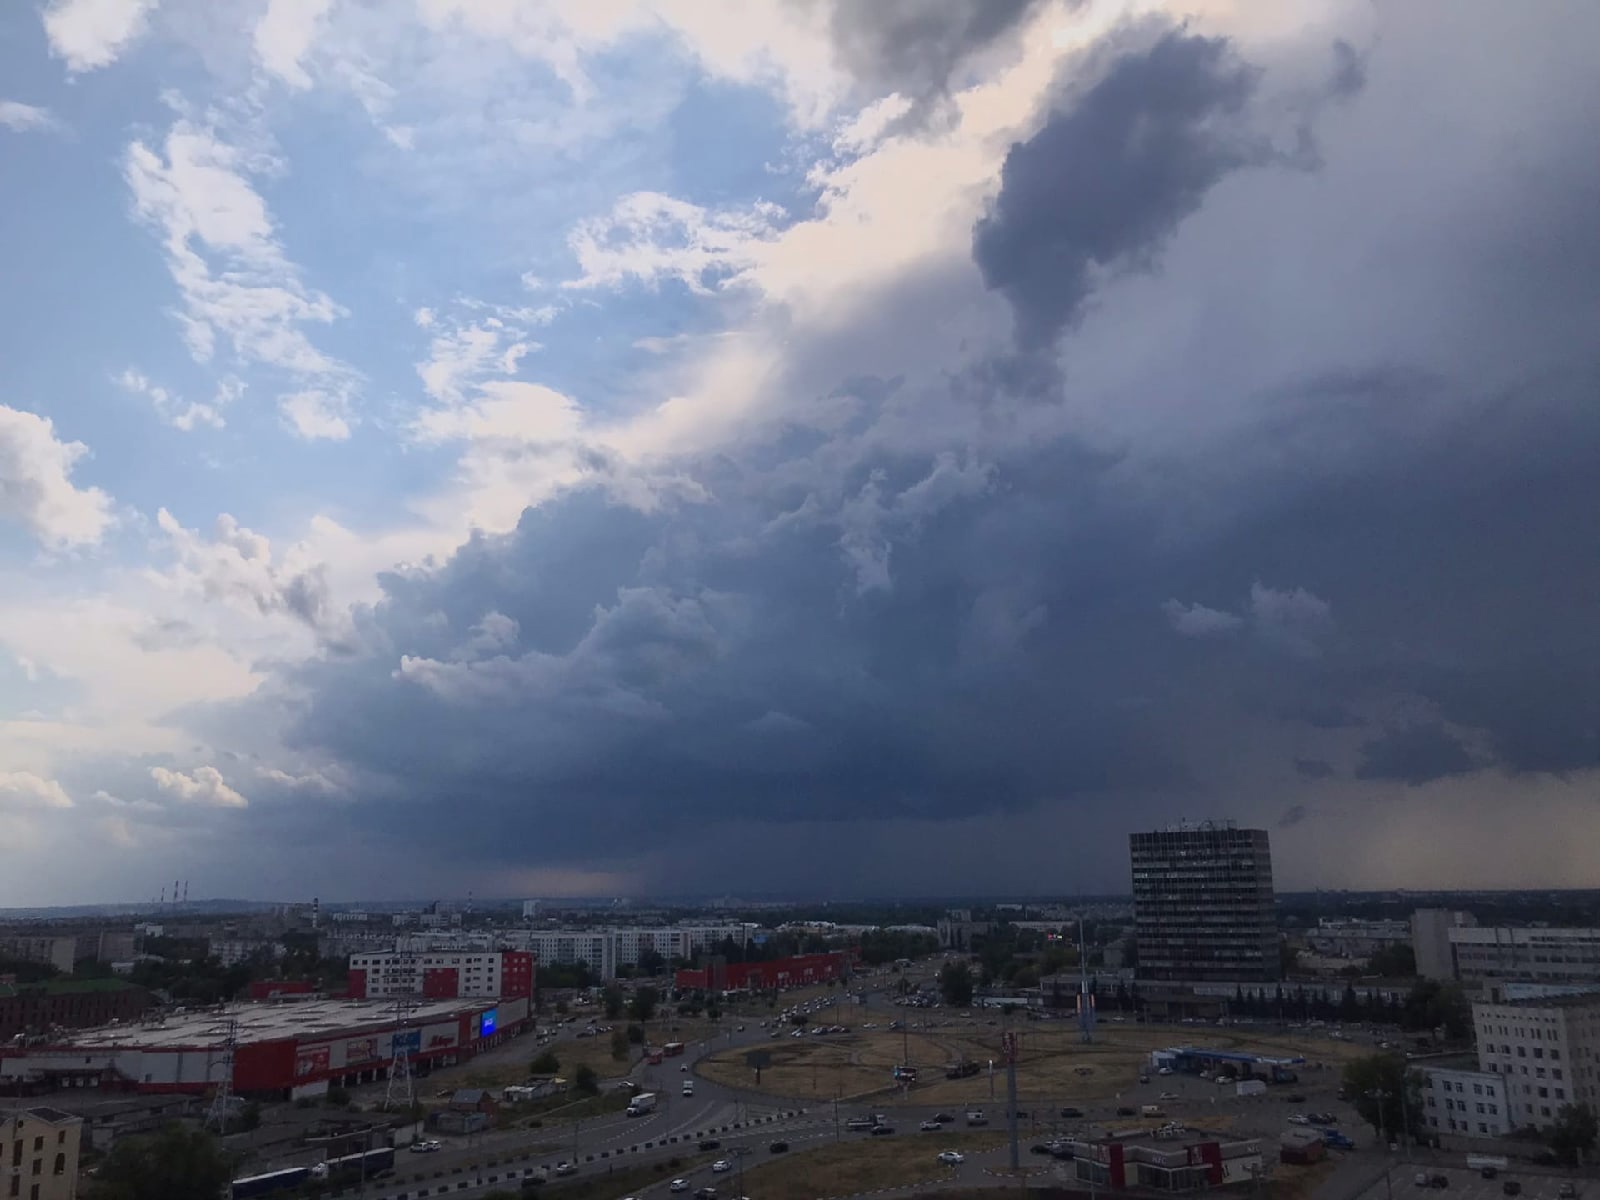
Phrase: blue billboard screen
(488, 1024)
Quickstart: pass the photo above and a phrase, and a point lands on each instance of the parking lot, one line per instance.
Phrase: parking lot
(1469, 1185)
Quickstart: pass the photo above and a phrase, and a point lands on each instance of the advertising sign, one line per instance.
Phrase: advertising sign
(310, 1060)
(488, 1023)
(1008, 1047)
(441, 1037)
(407, 1040)
(360, 1050)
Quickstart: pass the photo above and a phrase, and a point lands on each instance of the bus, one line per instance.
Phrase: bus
(672, 1049)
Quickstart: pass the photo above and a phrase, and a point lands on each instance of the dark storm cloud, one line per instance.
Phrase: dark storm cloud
(1313, 768)
(1414, 754)
(1111, 174)
(915, 47)
(1293, 816)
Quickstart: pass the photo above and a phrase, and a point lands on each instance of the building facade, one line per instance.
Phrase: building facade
(605, 949)
(441, 974)
(1203, 904)
(1489, 953)
(1430, 940)
(1546, 1050)
(58, 952)
(68, 1004)
(1465, 1103)
(39, 1153)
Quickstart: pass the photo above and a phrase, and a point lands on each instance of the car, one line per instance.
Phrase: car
(1294, 1098)
(1567, 1191)
(678, 1185)
(1127, 1111)
(738, 1029)
(1038, 1148)
(778, 1148)
(1164, 1071)
(859, 1124)
(882, 1130)
(1299, 1119)
(943, 1118)
(1144, 1079)
(706, 1193)
(710, 1144)
(1510, 1187)
(566, 1168)
(952, 1158)
(1489, 1173)
(722, 1166)
(425, 1147)
(1169, 1095)
(1071, 1114)
(930, 1126)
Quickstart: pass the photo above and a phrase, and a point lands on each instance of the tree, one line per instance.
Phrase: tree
(955, 984)
(585, 1082)
(1378, 1086)
(651, 962)
(643, 1005)
(1573, 1135)
(545, 1064)
(1394, 961)
(175, 1164)
(619, 1045)
(613, 999)
(636, 1034)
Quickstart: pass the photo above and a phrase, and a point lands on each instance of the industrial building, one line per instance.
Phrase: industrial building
(1464, 1103)
(441, 974)
(39, 1153)
(1484, 954)
(281, 1051)
(37, 1008)
(1120, 1164)
(1203, 904)
(1545, 1049)
(795, 971)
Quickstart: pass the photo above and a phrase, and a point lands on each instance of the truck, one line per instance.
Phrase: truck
(644, 1102)
(1250, 1087)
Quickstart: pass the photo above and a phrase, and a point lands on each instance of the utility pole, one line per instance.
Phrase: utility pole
(1008, 1044)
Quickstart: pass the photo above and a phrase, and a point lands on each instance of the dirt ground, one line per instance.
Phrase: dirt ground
(1052, 1064)
(850, 1168)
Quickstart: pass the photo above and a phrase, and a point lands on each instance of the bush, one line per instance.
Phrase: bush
(585, 1082)
(545, 1064)
(338, 1097)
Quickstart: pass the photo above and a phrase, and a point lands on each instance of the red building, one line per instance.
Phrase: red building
(798, 970)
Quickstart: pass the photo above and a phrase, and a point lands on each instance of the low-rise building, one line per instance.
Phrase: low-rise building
(39, 1153)
(1122, 1163)
(1465, 1103)
(1545, 1049)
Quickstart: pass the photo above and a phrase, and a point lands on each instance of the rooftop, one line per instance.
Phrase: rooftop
(306, 1019)
(65, 987)
(53, 1115)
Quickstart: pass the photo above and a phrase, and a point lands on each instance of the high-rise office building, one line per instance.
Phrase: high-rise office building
(1202, 903)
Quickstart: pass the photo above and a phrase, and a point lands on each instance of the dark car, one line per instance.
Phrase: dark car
(1294, 1098)
(778, 1147)
(1125, 1111)
(1489, 1173)
(943, 1118)
(711, 1144)
(706, 1193)
(882, 1130)
(1038, 1148)
(1511, 1187)
(1071, 1114)
(1437, 1180)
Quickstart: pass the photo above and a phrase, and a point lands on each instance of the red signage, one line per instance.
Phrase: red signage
(311, 1060)
(359, 1051)
(1008, 1047)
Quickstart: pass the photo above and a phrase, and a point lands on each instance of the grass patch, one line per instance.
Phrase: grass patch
(845, 1168)
(1054, 1065)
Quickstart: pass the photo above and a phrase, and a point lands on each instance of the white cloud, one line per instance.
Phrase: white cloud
(36, 488)
(466, 354)
(284, 36)
(234, 278)
(94, 33)
(648, 237)
(310, 781)
(1198, 621)
(237, 567)
(23, 789)
(22, 118)
(315, 415)
(172, 409)
(205, 786)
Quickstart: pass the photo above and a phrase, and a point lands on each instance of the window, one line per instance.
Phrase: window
(1544, 1093)
(61, 1164)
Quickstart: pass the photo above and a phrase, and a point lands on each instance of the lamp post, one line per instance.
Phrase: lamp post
(1381, 1096)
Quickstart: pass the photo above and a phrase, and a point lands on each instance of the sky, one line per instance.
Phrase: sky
(660, 447)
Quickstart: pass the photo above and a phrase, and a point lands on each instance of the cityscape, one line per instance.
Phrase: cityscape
(799, 599)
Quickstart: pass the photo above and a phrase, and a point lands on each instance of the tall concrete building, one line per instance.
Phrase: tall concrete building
(1430, 940)
(1202, 903)
(1546, 1049)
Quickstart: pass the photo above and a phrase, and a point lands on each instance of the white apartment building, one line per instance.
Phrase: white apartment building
(230, 952)
(59, 952)
(1465, 1103)
(607, 948)
(1489, 953)
(1547, 1050)
(440, 973)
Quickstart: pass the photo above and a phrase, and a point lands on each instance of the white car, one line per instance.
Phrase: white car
(1169, 1095)
(678, 1185)
(426, 1147)
(952, 1158)
(1164, 1071)
(1299, 1119)
(721, 1166)
(566, 1168)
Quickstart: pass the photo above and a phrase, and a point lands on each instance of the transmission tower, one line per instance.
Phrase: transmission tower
(219, 1066)
(399, 1088)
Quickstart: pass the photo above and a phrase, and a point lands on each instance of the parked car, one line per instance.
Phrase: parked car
(952, 1158)
(678, 1185)
(1169, 1095)
(930, 1126)
(721, 1165)
(426, 1147)
(566, 1168)
(778, 1148)
(706, 1193)
(943, 1118)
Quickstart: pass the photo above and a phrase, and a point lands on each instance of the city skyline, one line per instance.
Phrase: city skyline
(655, 447)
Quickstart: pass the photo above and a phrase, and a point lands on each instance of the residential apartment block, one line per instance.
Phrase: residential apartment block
(1203, 903)
(441, 974)
(1465, 1103)
(1547, 1051)
(39, 1153)
(59, 952)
